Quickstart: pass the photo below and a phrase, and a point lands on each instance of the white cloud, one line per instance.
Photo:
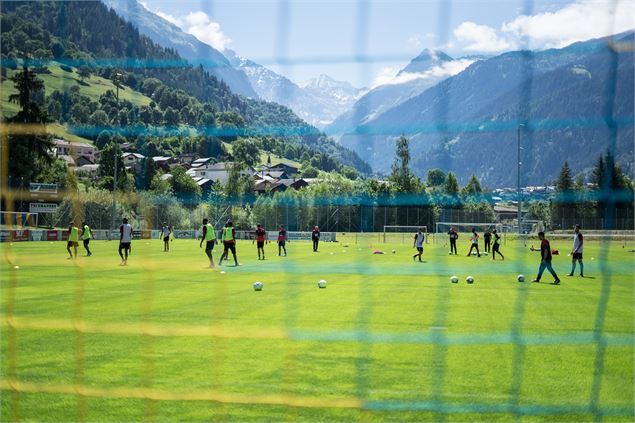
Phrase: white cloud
(577, 21)
(480, 38)
(199, 25)
(172, 19)
(555, 28)
(386, 76)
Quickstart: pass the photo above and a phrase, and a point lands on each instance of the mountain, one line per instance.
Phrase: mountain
(189, 47)
(88, 34)
(469, 123)
(424, 71)
(319, 102)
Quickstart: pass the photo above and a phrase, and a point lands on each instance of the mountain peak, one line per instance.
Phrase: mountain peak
(324, 81)
(426, 60)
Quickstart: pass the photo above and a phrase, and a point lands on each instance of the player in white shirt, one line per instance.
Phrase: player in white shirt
(167, 231)
(474, 241)
(418, 243)
(125, 238)
(576, 252)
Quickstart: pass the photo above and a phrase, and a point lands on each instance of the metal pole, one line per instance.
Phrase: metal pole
(114, 192)
(520, 203)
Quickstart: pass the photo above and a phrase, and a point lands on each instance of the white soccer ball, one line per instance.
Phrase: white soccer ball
(454, 279)
(258, 286)
(469, 279)
(322, 283)
(16, 267)
(394, 251)
(521, 278)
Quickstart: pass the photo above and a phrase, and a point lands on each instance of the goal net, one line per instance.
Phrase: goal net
(402, 234)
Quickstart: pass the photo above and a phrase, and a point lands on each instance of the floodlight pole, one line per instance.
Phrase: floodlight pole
(518, 192)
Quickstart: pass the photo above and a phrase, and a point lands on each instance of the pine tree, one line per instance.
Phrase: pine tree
(28, 150)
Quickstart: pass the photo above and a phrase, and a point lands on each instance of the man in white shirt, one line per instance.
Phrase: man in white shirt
(167, 231)
(418, 243)
(474, 240)
(125, 238)
(576, 252)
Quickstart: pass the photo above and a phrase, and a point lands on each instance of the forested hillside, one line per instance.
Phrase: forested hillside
(88, 38)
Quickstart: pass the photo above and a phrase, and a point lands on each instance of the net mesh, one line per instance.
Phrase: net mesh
(369, 341)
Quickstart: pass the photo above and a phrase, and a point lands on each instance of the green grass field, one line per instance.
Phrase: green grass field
(168, 339)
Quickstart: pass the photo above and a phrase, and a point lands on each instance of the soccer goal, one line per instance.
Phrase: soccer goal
(401, 234)
(441, 229)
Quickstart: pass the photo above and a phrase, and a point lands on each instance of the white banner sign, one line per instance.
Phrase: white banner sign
(42, 207)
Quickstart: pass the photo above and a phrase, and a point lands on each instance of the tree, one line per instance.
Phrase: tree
(147, 170)
(83, 72)
(435, 177)
(28, 152)
(451, 185)
(246, 152)
(170, 117)
(106, 169)
(184, 187)
(99, 119)
(309, 171)
(401, 176)
(473, 187)
(564, 192)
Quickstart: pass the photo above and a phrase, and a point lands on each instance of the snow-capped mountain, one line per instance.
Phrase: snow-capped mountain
(189, 47)
(318, 102)
(424, 71)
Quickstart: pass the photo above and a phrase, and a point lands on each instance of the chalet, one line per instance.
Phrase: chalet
(288, 169)
(163, 162)
(132, 159)
(74, 149)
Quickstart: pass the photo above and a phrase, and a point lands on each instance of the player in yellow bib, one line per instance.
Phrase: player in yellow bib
(87, 234)
(229, 243)
(209, 236)
(73, 240)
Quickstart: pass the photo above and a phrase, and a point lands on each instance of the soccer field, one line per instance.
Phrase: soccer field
(389, 339)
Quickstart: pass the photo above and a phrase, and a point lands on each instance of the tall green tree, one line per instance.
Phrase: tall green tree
(29, 149)
(561, 206)
(451, 184)
(184, 187)
(106, 170)
(401, 176)
(473, 187)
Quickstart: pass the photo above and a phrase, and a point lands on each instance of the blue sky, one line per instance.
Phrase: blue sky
(303, 39)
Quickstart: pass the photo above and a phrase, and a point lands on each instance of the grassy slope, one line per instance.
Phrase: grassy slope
(61, 80)
(264, 155)
(386, 294)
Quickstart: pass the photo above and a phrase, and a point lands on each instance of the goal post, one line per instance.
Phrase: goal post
(442, 228)
(398, 232)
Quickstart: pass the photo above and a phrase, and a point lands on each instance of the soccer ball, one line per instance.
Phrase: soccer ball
(521, 278)
(394, 251)
(469, 279)
(454, 279)
(257, 286)
(322, 283)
